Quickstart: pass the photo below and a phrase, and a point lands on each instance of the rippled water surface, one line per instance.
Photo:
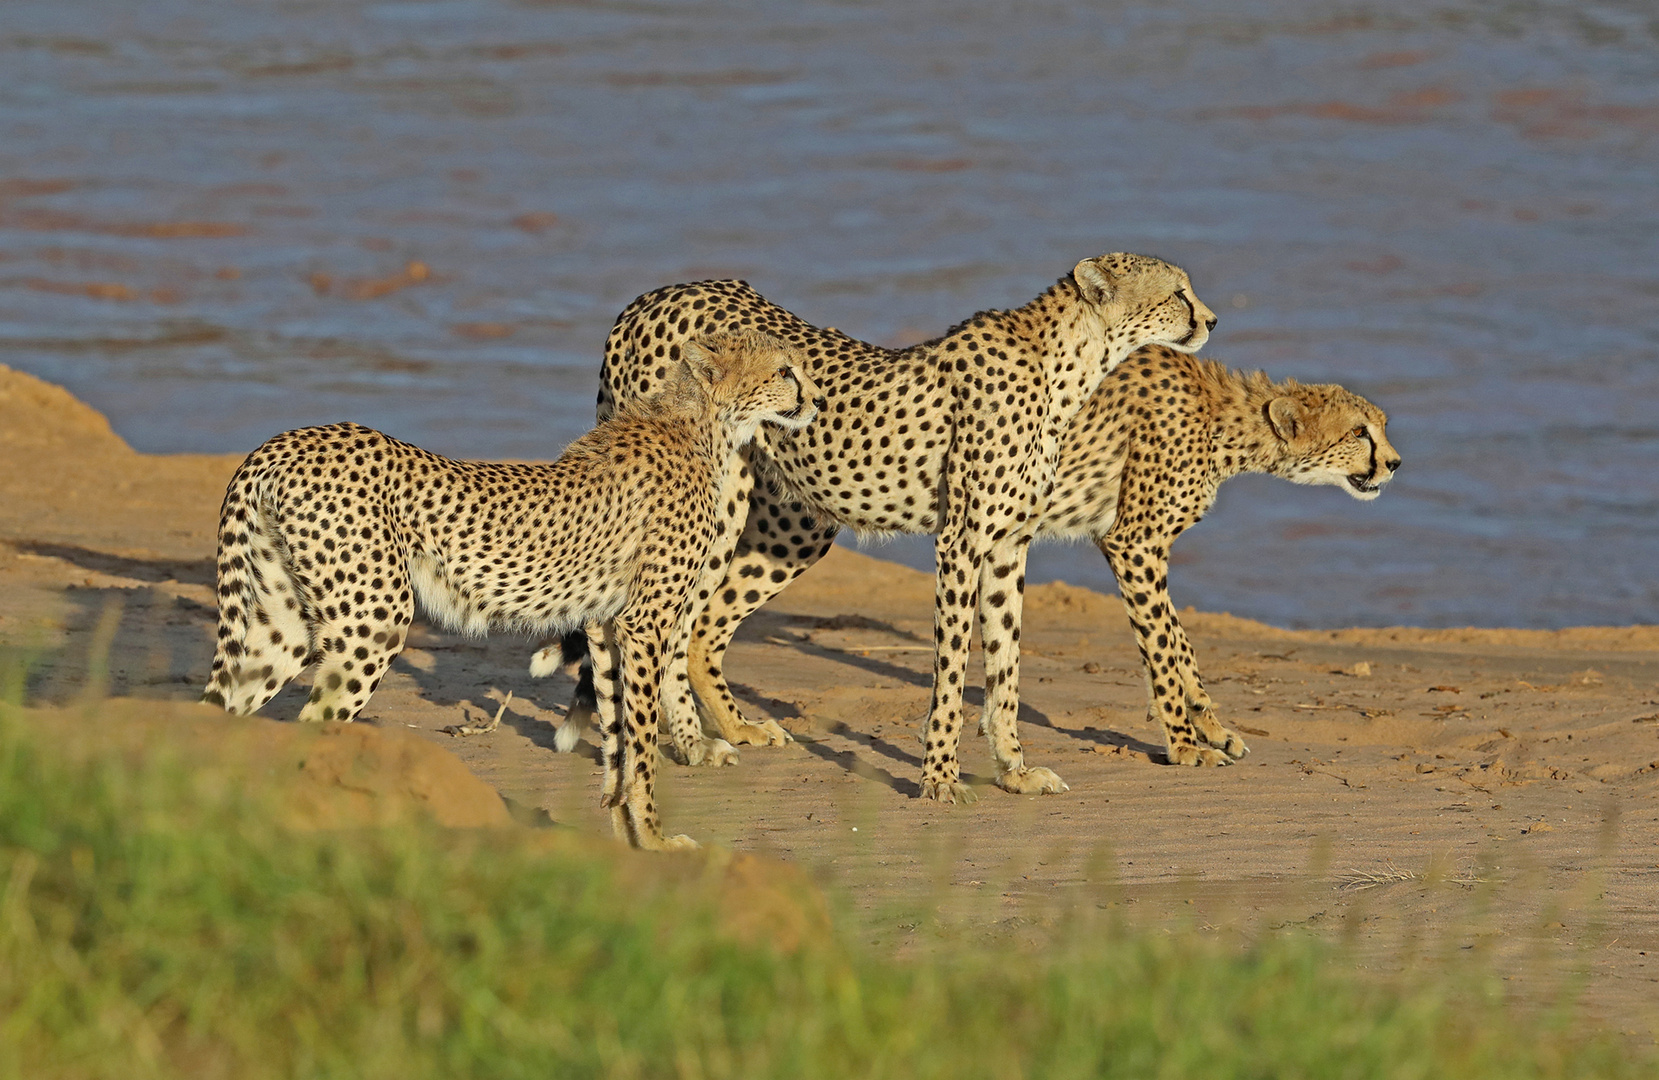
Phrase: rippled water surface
(220, 220)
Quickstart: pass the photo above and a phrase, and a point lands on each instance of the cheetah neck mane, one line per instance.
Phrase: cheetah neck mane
(1242, 439)
(681, 396)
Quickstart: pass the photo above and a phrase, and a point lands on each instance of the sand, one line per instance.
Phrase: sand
(1477, 792)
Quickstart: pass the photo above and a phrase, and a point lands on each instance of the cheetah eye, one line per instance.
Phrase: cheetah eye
(1357, 433)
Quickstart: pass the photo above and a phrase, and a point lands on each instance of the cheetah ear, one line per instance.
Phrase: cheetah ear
(1096, 285)
(1288, 417)
(701, 365)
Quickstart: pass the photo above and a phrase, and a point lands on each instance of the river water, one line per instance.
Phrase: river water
(222, 219)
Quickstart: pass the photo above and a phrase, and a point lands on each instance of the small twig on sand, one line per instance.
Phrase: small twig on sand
(1354, 879)
(481, 729)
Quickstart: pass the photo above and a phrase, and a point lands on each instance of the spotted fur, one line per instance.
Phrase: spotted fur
(329, 535)
(1141, 465)
(959, 436)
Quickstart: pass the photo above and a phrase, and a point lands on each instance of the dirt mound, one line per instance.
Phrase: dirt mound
(325, 776)
(70, 480)
(347, 776)
(36, 415)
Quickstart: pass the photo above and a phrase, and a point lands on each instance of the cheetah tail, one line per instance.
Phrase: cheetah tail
(235, 590)
(265, 636)
(584, 703)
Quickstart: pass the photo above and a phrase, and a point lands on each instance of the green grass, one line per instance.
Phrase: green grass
(153, 924)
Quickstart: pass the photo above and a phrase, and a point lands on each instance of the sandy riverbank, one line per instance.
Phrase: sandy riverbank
(1526, 759)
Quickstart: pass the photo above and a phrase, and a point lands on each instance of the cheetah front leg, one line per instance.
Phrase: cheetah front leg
(685, 727)
(779, 542)
(1001, 604)
(1192, 734)
(641, 638)
(958, 562)
(1199, 707)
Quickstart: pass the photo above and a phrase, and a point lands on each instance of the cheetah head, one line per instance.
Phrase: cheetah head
(753, 379)
(1329, 435)
(1144, 301)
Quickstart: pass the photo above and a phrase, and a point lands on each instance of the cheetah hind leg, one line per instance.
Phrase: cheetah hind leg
(244, 688)
(271, 641)
(717, 708)
(1028, 779)
(1032, 780)
(948, 791)
(682, 717)
(780, 541)
(354, 660)
(269, 661)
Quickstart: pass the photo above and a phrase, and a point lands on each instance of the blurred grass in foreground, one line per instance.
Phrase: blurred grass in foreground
(153, 922)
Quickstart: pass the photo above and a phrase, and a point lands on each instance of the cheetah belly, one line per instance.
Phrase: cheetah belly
(546, 570)
(1081, 513)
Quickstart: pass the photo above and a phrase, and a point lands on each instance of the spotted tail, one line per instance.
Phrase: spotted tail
(264, 638)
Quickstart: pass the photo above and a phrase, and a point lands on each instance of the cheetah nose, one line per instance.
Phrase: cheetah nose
(1209, 323)
(821, 402)
(1393, 464)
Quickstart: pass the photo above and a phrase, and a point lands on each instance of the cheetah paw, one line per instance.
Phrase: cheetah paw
(711, 752)
(1199, 756)
(760, 733)
(667, 843)
(1036, 781)
(948, 791)
(1232, 745)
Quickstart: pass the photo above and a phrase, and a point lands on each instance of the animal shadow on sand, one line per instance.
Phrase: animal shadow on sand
(143, 640)
(786, 630)
(463, 670)
(149, 571)
(118, 641)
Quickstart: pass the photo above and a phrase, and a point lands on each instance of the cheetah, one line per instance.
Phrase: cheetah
(329, 535)
(1141, 465)
(959, 436)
